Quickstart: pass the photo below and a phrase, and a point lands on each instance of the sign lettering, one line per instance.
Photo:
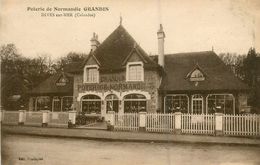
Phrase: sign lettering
(115, 86)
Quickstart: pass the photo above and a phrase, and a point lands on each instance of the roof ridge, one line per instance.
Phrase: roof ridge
(188, 53)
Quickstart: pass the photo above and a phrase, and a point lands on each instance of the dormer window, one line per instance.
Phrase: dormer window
(62, 81)
(197, 75)
(134, 71)
(91, 74)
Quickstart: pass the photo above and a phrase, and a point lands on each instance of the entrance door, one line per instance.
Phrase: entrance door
(197, 104)
(56, 104)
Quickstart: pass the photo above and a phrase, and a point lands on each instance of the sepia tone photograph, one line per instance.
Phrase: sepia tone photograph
(151, 82)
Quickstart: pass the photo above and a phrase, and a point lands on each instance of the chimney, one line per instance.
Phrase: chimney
(161, 36)
(94, 42)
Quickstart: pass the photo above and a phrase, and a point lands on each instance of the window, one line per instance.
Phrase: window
(91, 104)
(135, 71)
(67, 102)
(176, 103)
(134, 103)
(60, 103)
(56, 104)
(112, 103)
(91, 74)
(43, 103)
(197, 104)
(197, 75)
(221, 103)
(62, 81)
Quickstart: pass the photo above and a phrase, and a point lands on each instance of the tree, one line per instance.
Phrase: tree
(235, 62)
(250, 71)
(19, 74)
(250, 66)
(9, 58)
(13, 83)
(38, 69)
(69, 58)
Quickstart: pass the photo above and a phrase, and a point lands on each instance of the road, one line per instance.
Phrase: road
(27, 150)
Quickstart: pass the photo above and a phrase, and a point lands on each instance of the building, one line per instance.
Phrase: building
(118, 75)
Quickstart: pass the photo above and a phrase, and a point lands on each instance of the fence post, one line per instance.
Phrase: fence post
(218, 124)
(21, 117)
(111, 120)
(45, 118)
(142, 121)
(177, 122)
(72, 119)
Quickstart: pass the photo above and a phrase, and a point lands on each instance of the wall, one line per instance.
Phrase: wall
(114, 83)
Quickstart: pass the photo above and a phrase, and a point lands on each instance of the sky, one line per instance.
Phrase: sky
(199, 25)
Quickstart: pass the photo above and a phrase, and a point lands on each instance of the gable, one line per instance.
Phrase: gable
(91, 61)
(117, 47)
(62, 81)
(51, 86)
(134, 57)
(196, 75)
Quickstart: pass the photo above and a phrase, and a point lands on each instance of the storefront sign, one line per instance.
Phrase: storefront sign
(112, 78)
(115, 86)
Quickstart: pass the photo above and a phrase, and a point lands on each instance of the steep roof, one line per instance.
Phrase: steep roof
(74, 67)
(116, 48)
(219, 76)
(49, 85)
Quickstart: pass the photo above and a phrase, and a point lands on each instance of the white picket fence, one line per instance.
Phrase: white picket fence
(159, 122)
(11, 117)
(242, 125)
(126, 121)
(198, 124)
(232, 125)
(58, 119)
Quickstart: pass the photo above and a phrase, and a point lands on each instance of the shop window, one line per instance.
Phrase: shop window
(197, 104)
(67, 102)
(91, 104)
(176, 103)
(43, 103)
(134, 103)
(135, 71)
(112, 103)
(91, 74)
(223, 103)
(62, 103)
